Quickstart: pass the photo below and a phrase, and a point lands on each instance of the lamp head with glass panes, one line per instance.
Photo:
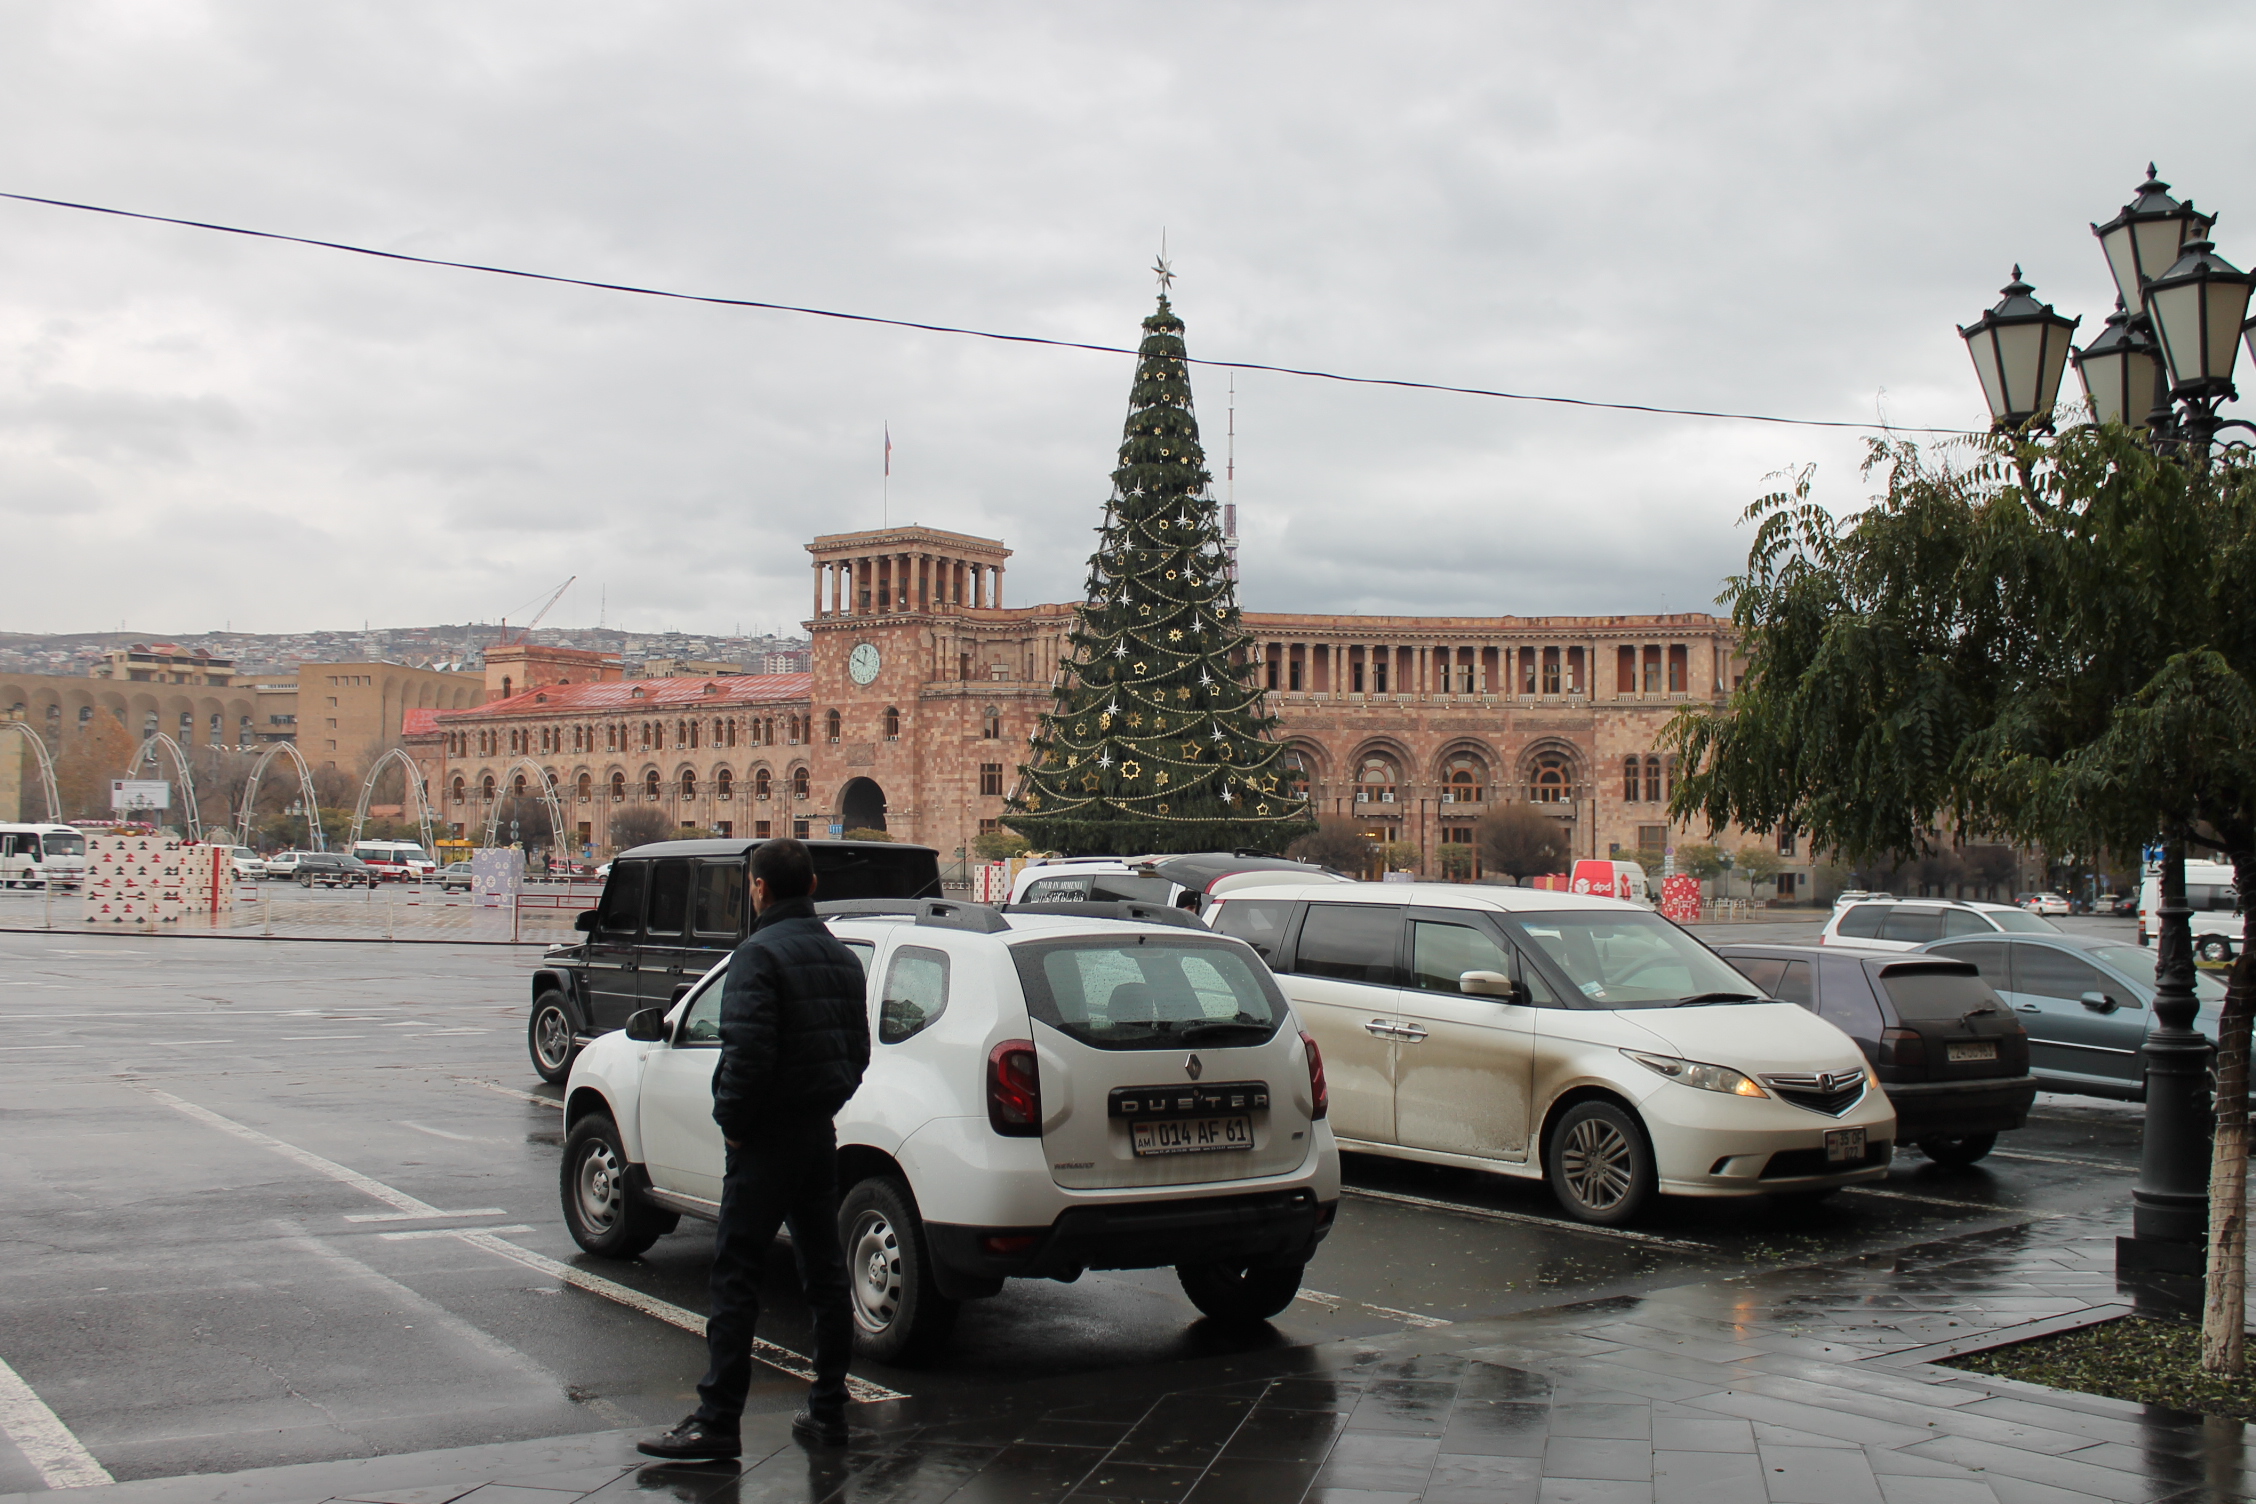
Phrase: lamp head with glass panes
(2020, 351)
(2143, 240)
(2122, 372)
(2197, 307)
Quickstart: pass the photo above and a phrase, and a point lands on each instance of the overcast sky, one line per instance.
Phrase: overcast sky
(1779, 208)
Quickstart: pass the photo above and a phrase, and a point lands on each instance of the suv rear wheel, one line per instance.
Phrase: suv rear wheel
(549, 1038)
(1601, 1164)
(1237, 1295)
(899, 1312)
(602, 1210)
(1959, 1149)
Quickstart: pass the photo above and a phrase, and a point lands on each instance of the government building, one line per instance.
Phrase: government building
(925, 689)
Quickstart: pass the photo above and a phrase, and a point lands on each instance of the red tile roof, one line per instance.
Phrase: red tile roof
(632, 695)
(419, 723)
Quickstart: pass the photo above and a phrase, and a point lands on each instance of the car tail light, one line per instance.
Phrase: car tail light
(1318, 1092)
(1903, 1048)
(1014, 1090)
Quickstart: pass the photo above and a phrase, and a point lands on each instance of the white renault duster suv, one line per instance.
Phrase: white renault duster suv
(1069, 1087)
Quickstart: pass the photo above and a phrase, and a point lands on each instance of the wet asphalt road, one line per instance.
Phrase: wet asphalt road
(199, 1132)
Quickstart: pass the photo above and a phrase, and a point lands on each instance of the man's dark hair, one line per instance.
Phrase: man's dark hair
(786, 866)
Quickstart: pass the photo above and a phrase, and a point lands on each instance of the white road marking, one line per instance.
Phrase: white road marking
(511, 1091)
(2062, 1159)
(460, 1138)
(445, 1232)
(1972, 1206)
(301, 1038)
(43, 1438)
(184, 1041)
(1414, 1318)
(42, 1047)
(769, 1353)
(1491, 1214)
(1318, 1298)
(481, 1211)
(650, 1305)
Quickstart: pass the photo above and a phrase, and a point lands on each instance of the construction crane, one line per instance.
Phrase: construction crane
(526, 630)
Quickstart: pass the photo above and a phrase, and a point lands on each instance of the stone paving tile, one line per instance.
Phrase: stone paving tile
(1818, 1475)
(2038, 1467)
(1703, 1477)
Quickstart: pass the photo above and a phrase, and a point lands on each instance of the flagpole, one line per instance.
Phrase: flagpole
(885, 488)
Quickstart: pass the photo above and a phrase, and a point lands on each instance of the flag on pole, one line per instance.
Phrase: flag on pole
(889, 449)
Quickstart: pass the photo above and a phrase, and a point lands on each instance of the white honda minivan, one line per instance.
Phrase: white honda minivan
(1583, 1041)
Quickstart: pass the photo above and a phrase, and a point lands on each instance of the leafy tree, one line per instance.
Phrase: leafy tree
(1337, 842)
(92, 756)
(1455, 860)
(638, 825)
(1519, 841)
(2054, 642)
(1700, 859)
(1760, 863)
(1401, 856)
(1158, 738)
(999, 845)
(864, 833)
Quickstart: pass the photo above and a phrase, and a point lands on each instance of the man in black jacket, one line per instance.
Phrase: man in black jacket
(794, 1044)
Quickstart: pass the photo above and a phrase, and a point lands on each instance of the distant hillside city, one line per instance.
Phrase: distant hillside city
(458, 649)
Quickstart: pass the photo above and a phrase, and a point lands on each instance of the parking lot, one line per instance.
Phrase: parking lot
(291, 1202)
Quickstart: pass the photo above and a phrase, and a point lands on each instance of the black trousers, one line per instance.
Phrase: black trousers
(789, 1176)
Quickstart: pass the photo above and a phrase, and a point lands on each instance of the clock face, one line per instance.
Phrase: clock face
(863, 662)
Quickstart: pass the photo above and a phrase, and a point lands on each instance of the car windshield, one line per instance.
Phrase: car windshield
(2020, 922)
(2138, 966)
(64, 845)
(1149, 992)
(1628, 958)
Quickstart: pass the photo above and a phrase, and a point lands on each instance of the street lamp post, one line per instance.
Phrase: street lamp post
(2164, 362)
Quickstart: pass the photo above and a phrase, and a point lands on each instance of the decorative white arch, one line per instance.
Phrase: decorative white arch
(148, 754)
(556, 825)
(305, 787)
(414, 777)
(46, 766)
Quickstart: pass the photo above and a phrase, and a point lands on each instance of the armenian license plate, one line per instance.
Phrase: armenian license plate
(1194, 1135)
(1981, 1049)
(1843, 1144)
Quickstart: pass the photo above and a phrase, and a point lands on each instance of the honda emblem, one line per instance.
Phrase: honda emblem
(1191, 1066)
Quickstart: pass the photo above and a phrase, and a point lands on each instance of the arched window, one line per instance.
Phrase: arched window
(85, 713)
(517, 787)
(1652, 780)
(724, 784)
(587, 787)
(459, 789)
(688, 784)
(830, 725)
(991, 723)
(892, 723)
(798, 783)
(506, 691)
(650, 784)
(486, 788)
(1550, 779)
(1631, 791)
(1375, 781)
(618, 786)
(760, 784)
(1464, 780)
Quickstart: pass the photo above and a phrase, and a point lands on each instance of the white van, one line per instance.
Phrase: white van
(31, 856)
(2215, 902)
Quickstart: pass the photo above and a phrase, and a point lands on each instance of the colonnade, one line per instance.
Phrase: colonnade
(1525, 670)
(881, 584)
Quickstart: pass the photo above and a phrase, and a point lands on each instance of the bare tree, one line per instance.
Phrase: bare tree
(1520, 841)
(638, 825)
(1337, 841)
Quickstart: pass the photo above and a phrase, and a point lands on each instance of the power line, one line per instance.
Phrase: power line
(987, 334)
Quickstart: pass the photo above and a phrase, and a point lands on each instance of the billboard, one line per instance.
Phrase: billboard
(140, 793)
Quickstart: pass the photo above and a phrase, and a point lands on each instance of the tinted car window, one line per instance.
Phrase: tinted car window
(2046, 972)
(621, 909)
(1763, 971)
(1916, 925)
(1149, 993)
(1260, 925)
(1845, 999)
(669, 897)
(843, 872)
(2139, 966)
(1964, 922)
(1441, 953)
(1796, 985)
(1101, 887)
(2020, 923)
(1862, 920)
(1993, 958)
(1351, 941)
(1922, 996)
(720, 898)
(916, 993)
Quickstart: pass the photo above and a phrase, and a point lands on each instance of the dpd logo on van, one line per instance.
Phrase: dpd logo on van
(1191, 1066)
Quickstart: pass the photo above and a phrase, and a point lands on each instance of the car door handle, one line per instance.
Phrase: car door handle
(1380, 1027)
(1409, 1033)
(2027, 1008)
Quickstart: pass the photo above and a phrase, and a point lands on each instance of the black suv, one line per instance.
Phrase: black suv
(330, 869)
(1949, 1053)
(669, 912)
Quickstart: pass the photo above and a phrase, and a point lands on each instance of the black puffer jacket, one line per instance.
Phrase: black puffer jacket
(794, 1024)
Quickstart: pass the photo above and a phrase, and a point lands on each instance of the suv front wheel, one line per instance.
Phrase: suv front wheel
(1239, 1296)
(899, 1312)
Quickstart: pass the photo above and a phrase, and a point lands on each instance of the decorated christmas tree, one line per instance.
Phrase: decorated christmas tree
(1158, 739)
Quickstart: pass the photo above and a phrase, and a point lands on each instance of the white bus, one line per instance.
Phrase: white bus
(32, 856)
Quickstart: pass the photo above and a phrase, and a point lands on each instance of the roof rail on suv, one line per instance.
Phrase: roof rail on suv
(941, 913)
(1124, 909)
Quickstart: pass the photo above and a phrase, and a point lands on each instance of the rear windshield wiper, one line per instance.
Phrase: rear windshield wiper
(1717, 997)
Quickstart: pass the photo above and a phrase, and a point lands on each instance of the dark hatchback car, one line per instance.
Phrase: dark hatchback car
(672, 909)
(1948, 1051)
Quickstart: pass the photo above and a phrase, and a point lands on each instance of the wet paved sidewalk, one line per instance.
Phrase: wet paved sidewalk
(1805, 1385)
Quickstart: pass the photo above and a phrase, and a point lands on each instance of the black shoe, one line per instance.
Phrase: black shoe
(694, 1440)
(819, 1431)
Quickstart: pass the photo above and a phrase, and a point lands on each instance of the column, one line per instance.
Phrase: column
(998, 587)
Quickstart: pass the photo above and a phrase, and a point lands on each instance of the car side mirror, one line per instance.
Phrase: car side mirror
(648, 1026)
(2100, 1002)
(1491, 984)
(584, 921)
